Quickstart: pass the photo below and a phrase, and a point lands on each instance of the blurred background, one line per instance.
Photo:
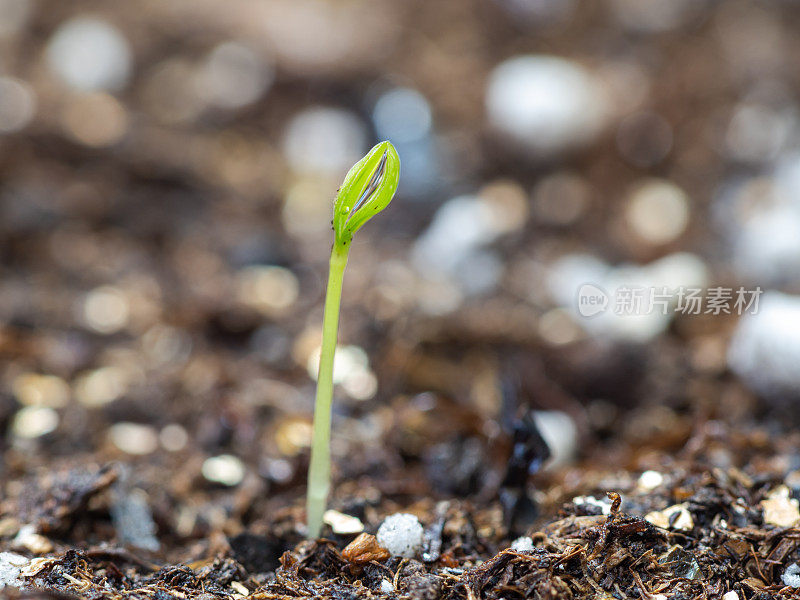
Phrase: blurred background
(167, 171)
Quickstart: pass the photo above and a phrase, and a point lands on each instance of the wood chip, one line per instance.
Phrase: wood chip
(365, 548)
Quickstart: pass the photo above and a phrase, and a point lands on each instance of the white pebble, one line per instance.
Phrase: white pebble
(134, 438)
(791, 576)
(386, 586)
(658, 211)
(225, 469)
(324, 141)
(401, 534)
(106, 309)
(522, 544)
(350, 370)
(765, 348)
(573, 277)
(547, 103)
(731, 596)
(11, 566)
(34, 421)
(760, 127)
(267, 288)
(101, 386)
(760, 218)
(459, 227)
(453, 248)
(650, 480)
(90, 54)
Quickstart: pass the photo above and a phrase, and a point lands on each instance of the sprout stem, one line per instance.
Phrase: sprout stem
(320, 468)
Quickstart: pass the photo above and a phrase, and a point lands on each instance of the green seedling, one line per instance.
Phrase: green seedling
(367, 189)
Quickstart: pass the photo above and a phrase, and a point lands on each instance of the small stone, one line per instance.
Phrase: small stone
(90, 54)
(323, 140)
(343, 524)
(765, 347)
(759, 218)
(386, 586)
(658, 211)
(225, 469)
(365, 548)
(547, 103)
(101, 386)
(34, 421)
(133, 438)
(791, 576)
(662, 518)
(106, 310)
(461, 226)
(650, 480)
(401, 534)
(780, 509)
(11, 566)
(28, 539)
(522, 544)
(731, 596)
(268, 289)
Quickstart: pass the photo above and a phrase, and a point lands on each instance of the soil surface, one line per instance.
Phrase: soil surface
(713, 524)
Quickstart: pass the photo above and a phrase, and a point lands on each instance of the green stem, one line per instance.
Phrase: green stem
(319, 472)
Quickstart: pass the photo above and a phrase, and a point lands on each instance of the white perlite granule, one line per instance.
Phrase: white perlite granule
(11, 566)
(522, 544)
(791, 576)
(401, 535)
